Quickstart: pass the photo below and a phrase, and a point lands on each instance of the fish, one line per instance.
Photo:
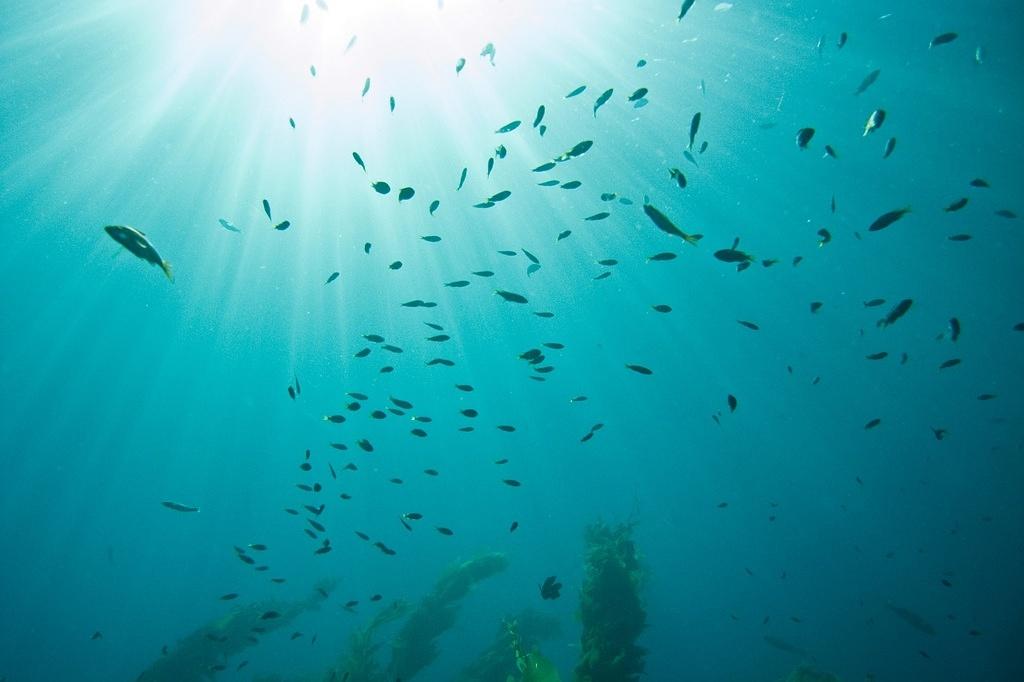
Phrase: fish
(490, 166)
(462, 179)
(886, 219)
(598, 216)
(954, 329)
(874, 122)
(511, 482)
(874, 302)
(578, 149)
(868, 81)
(803, 137)
(678, 176)
(960, 238)
(179, 507)
(890, 147)
(663, 223)
(734, 256)
(662, 308)
(872, 424)
(841, 41)
(136, 242)
(942, 39)
(600, 101)
(228, 225)
(511, 296)
(266, 208)
(539, 117)
(912, 619)
(434, 205)
(512, 528)
(576, 91)
(283, 225)
(391, 104)
(544, 167)
(572, 184)
(898, 311)
(406, 193)
(270, 615)
(663, 256)
(366, 87)
(749, 325)
(229, 596)
(952, 362)
(551, 588)
(489, 52)
(687, 4)
(881, 355)
(460, 64)
(694, 127)
(732, 402)
(508, 127)
(830, 152)
(351, 44)
(956, 205)
(562, 235)
(381, 187)
(640, 369)
(444, 531)
(638, 94)
(980, 182)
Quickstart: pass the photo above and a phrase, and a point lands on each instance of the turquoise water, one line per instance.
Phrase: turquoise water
(784, 518)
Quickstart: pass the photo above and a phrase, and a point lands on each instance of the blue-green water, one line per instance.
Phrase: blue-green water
(786, 517)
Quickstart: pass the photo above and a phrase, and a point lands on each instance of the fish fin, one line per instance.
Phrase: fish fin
(166, 267)
(693, 238)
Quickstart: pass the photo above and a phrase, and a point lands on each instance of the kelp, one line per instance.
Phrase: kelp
(359, 663)
(415, 645)
(204, 652)
(498, 661)
(611, 609)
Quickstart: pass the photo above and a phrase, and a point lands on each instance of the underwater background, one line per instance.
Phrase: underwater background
(776, 523)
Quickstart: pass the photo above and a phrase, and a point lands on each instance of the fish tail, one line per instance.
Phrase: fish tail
(692, 238)
(166, 267)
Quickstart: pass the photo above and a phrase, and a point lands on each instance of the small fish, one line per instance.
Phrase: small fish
(980, 182)
(960, 238)
(512, 528)
(872, 424)
(489, 52)
(830, 152)
(687, 4)
(180, 507)
(283, 225)
(138, 245)
(663, 223)
(600, 101)
(868, 81)
(637, 95)
(444, 531)
(875, 302)
(881, 355)
(874, 122)
(459, 65)
(678, 176)
(732, 402)
(351, 44)
(406, 193)
(956, 205)
(803, 137)
(576, 91)
(749, 325)
(954, 329)
(462, 179)
(663, 256)
(842, 40)
(228, 225)
(381, 187)
(508, 127)
(266, 208)
(952, 362)
(551, 588)
(886, 219)
(694, 127)
(391, 104)
(434, 205)
(890, 147)
(511, 296)
(562, 235)
(942, 39)
(662, 308)
(598, 216)
(539, 117)
(432, 238)
(640, 369)
(816, 306)
(511, 482)
(366, 87)
(898, 311)
(572, 184)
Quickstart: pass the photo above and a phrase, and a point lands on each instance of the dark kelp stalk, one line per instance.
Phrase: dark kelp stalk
(611, 608)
